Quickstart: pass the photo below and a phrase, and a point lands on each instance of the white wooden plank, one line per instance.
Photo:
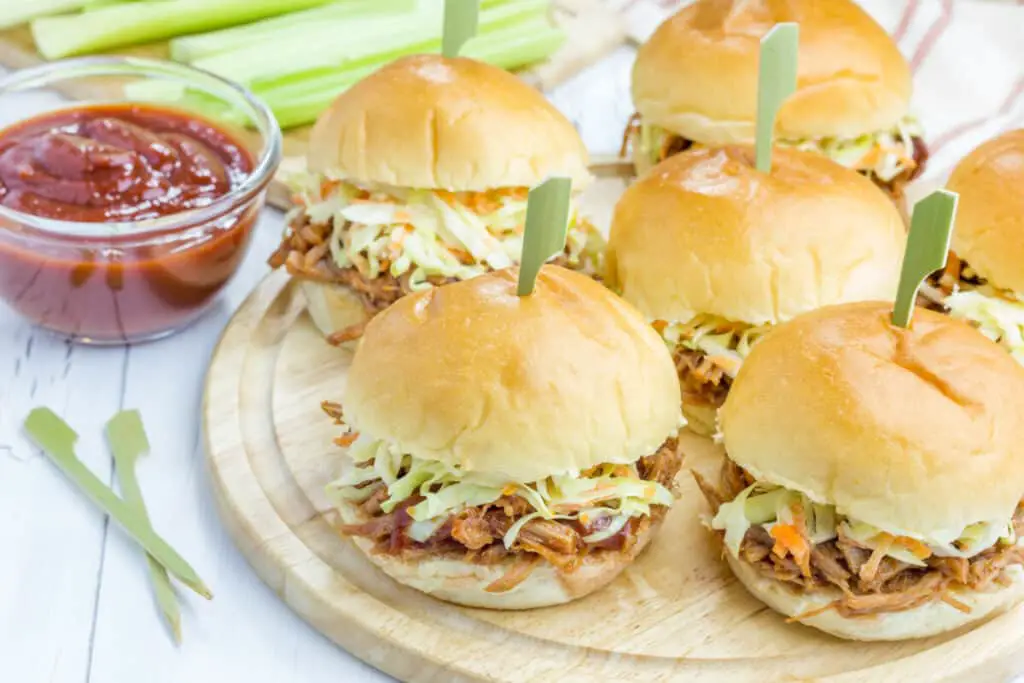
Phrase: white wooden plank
(246, 633)
(51, 536)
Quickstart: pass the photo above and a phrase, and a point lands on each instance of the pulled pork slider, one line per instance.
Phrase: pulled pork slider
(695, 82)
(418, 175)
(508, 452)
(714, 252)
(983, 282)
(873, 479)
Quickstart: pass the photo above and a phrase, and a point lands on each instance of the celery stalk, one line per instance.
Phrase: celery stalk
(140, 22)
(269, 31)
(378, 38)
(14, 12)
(299, 100)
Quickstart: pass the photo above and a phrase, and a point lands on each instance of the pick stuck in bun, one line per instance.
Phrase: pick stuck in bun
(874, 474)
(418, 176)
(527, 458)
(714, 253)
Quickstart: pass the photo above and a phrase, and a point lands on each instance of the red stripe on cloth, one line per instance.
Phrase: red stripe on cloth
(908, 14)
(957, 131)
(933, 35)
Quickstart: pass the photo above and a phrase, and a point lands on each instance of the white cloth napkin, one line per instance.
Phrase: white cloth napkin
(968, 62)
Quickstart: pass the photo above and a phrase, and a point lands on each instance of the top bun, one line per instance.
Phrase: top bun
(706, 232)
(989, 231)
(429, 121)
(697, 75)
(917, 432)
(519, 388)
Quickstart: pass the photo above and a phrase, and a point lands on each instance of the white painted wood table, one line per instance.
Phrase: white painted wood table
(75, 600)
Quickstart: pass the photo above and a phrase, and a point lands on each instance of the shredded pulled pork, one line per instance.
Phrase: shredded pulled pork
(870, 582)
(476, 533)
(956, 276)
(702, 380)
(304, 252)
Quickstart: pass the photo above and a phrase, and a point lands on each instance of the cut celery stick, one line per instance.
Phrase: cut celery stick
(301, 100)
(14, 12)
(140, 22)
(191, 48)
(344, 43)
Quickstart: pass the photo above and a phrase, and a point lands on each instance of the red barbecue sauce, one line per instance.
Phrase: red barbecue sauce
(119, 163)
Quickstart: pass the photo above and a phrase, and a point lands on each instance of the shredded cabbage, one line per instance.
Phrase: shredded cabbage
(998, 318)
(767, 504)
(884, 154)
(728, 343)
(430, 233)
(614, 491)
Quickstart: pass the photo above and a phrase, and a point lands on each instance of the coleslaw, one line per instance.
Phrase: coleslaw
(726, 342)
(998, 315)
(884, 154)
(380, 229)
(615, 492)
(769, 506)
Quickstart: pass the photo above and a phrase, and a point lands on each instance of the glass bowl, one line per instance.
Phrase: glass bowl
(127, 281)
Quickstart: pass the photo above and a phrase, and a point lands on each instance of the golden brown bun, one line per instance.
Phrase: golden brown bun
(990, 215)
(697, 75)
(920, 622)
(916, 432)
(457, 124)
(518, 388)
(332, 307)
(455, 580)
(705, 232)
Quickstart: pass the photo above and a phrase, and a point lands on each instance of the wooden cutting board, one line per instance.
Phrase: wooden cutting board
(676, 614)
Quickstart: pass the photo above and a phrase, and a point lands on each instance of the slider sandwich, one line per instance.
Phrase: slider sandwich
(503, 451)
(695, 82)
(873, 476)
(714, 253)
(983, 282)
(418, 176)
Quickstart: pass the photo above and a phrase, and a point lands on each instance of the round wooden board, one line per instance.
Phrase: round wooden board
(676, 614)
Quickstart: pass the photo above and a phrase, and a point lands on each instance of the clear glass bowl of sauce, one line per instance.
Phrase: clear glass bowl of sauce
(129, 189)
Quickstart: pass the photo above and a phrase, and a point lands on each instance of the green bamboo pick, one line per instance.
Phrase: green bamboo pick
(931, 229)
(461, 18)
(128, 442)
(545, 230)
(776, 80)
(57, 440)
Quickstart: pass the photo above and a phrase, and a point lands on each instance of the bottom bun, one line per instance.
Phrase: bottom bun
(455, 580)
(920, 622)
(332, 307)
(701, 418)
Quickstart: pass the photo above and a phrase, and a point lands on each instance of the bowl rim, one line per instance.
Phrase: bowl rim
(254, 182)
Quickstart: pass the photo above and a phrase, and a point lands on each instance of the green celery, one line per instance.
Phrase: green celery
(299, 100)
(14, 12)
(375, 39)
(140, 22)
(192, 48)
